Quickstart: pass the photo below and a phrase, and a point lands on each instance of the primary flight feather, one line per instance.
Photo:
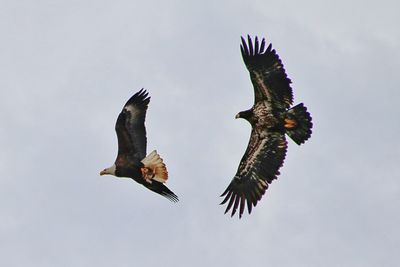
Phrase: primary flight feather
(132, 161)
(271, 117)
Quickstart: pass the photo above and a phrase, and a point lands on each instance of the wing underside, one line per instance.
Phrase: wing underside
(258, 168)
(267, 73)
(161, 189)
(130, 128)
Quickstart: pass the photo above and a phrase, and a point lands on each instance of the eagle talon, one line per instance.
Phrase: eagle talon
(147, 175)
(289, 123)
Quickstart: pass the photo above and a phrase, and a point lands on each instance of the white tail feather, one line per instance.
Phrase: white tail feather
(154, 162)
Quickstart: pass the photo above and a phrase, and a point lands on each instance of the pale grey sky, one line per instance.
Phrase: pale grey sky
(67, 68)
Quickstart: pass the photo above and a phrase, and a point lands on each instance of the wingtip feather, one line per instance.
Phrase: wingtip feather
(262, 46)
(256, 46)
(250, 43)
(245, 48)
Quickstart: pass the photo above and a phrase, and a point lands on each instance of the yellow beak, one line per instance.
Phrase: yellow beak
(103, 172)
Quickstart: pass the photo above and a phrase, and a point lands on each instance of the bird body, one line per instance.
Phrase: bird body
(271, 117)
(131, 161)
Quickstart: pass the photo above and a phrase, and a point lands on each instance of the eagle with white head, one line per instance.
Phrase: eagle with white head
(132, 161)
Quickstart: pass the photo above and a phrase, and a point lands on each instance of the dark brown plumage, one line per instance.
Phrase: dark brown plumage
(132, 161)
(271, 117)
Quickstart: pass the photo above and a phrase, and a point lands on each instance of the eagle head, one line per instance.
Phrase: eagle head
(247, 114)
(110, 170)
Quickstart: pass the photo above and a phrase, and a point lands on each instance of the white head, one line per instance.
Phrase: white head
(110, 170)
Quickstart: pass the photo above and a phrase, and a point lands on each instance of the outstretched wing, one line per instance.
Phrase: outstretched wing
(131, 131)
(259, 166)
(267, 74)
(161, 189)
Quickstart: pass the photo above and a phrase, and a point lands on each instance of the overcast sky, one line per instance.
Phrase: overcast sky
(67, 68)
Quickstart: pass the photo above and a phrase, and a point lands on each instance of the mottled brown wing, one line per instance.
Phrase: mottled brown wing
(259, 166)
(131, 131)
(267, 74)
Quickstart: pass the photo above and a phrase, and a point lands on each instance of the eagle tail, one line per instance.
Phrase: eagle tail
(298, 123)
(155, 163)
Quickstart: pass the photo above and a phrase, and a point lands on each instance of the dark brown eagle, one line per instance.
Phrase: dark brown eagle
(132, 161)
(271, 117)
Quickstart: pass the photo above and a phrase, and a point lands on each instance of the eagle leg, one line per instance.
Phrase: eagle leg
(147, 174)
(290, 123)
